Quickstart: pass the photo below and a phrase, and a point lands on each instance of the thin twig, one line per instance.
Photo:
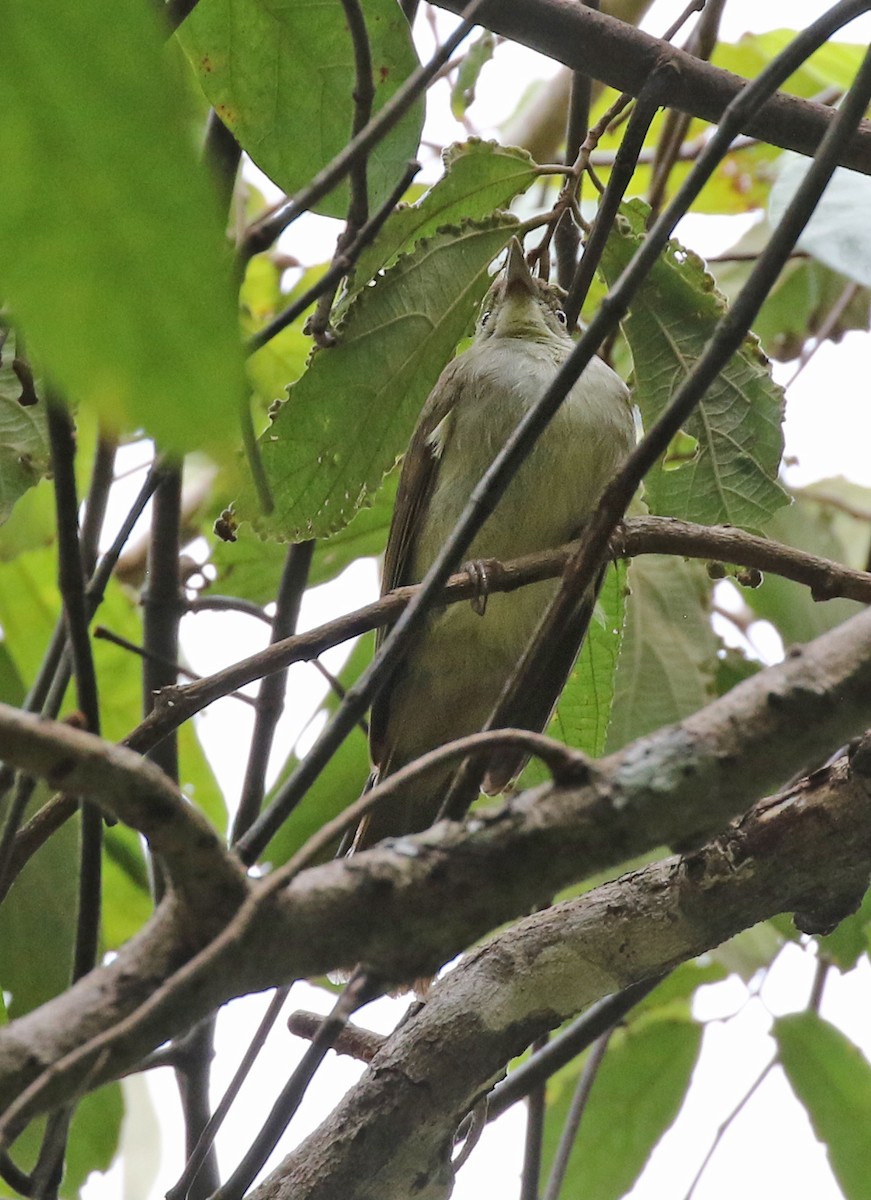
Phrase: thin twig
(645, 109)
(725, 1124)
(162, 605)
(358, 204)
(270, 698)
(638, 535)
(359, 991)
(700, 44)
(106, 635)
(566, 235)
(530, 1173)
(577, 1108)
(833, 316)
(180, 1189)
(215, 603)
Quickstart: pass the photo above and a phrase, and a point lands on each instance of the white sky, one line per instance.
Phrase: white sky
(770, 1150)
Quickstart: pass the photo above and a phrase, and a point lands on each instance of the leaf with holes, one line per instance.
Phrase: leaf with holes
(480, 177)
(349, 417)
(731, 478)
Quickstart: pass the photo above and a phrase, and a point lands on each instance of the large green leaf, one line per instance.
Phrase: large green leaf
(480, 177)
(341, 781)
(668, 660)
(583, 713)
(112, 244)
(280, 74)
(93, 1142)
(732, 476)
(38, 920)
(832, 1079)
(636, 1095)
(789, 606)
(350, 416)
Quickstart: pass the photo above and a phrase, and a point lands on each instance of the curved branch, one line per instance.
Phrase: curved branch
(398, 1123)
(134, 791)
(624, 57)
(677, 785)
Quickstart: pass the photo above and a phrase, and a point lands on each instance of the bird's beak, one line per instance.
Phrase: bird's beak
(517, 273)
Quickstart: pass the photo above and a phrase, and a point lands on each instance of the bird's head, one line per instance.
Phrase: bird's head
(520, 306)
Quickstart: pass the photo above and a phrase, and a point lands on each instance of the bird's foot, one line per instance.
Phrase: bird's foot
(478, 571)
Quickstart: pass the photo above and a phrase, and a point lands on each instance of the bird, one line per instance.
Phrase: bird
(453, 674)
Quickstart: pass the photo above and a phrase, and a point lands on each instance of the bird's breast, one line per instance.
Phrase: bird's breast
(558, 485)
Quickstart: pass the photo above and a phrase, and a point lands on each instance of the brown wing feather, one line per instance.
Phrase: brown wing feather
(416, 482)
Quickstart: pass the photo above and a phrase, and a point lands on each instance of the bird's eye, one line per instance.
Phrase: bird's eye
(561, 316)
(485, 317)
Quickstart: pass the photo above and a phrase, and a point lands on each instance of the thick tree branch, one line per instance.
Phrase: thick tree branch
(625, 57)
(134, 791)
(808, 849)
(677, 785)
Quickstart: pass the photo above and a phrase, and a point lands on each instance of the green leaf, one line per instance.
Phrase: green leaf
(40, 911)
(584, 710)
(480, 177)
(802, 302)
(350, 416)
(849, 942)
(283, 358)
(837, 233)
(832, 1079)
(114, 260)
(636, 1095)
(24, 451)
(733, 477)
(668, 660)
(127, 901)
(789, 606)
(341, 781)
(281, 77)
(834, 65)
(473, 62)
(846, 508)
(93, 1141)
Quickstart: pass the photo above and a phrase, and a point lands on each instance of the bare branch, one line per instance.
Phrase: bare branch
(639, 535)
(398, 1122)
(624, 57)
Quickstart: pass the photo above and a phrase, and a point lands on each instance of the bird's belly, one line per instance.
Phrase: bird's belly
(455, 673)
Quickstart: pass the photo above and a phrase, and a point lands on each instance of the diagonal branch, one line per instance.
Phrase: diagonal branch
(398, 1123)
(134, 791)
(624, 58)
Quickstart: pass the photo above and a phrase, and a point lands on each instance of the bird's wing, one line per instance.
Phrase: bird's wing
(416, 482)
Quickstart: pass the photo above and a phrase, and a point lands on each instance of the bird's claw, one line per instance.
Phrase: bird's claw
(477, 571)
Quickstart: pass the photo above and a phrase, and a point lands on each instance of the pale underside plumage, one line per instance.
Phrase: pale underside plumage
(451, 679)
